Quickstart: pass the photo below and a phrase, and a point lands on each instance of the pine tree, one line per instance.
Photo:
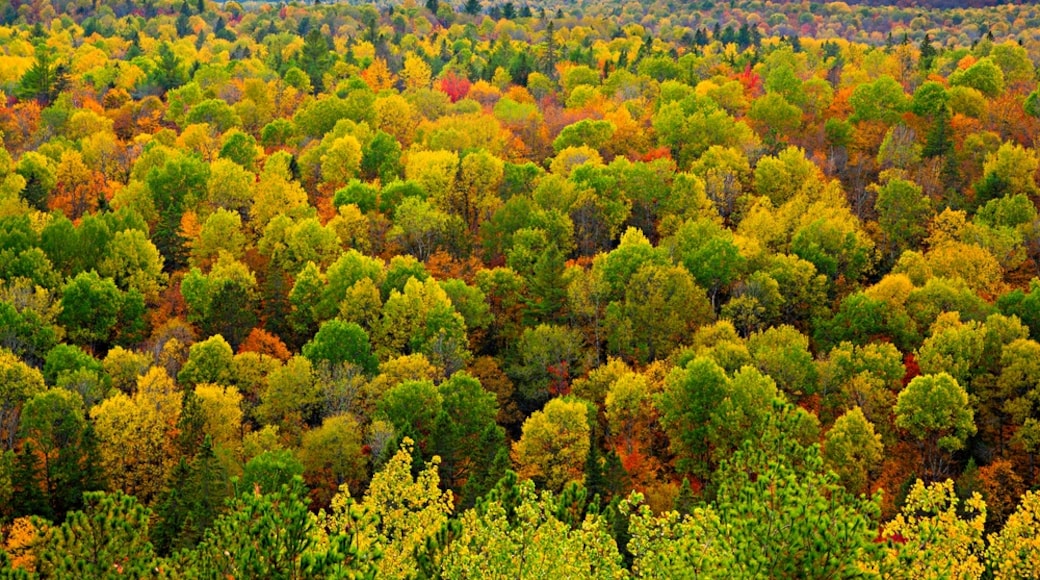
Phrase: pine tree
(110, 534)
(472, 7)
(491, 466)
(547, 287)
(190, 435)
(939, 141)
(29, 497)
(208, 488)
(684, 501)
(551, 50)
(167, 74)
(174, 508)
(928, 53)
(43, 81)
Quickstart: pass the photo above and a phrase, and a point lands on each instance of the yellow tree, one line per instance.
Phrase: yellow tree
(136, 435)
(554, 444)
(378, 76)
(930, 539)
(416, 73)
(1014, 551)
(409, 510)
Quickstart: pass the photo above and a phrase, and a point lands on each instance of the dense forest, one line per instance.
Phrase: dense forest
(484, 290)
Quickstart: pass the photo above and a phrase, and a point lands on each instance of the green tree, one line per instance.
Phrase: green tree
(547, 357)
(881, 100)
(93, 310)
(167, 73)
(209, 361)
(224, 301)
(338, 342)
(934, 410)
(783, 353)
(690, 396)
(272, 535)
(903, 213)
(45, 79)
(315, 58)
(60, 446)
(107, 540)
(853, 450)
(662, 306)
(784, 514)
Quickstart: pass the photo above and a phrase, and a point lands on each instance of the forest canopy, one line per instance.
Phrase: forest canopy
(484, 289)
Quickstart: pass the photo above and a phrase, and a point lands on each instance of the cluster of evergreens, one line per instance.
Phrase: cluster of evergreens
(483, 290)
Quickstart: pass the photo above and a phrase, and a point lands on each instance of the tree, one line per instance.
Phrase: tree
(315, 58)
(853, 450)
(133, 263)
(554, 444)
(472, 7)
(45, 79)
(410, 509)
(777, 117)
(984, 76)
(517, 532)
(547, 356)
(903, 213)
(167, 73)
(19, 382)
(332, 455)
(934, 410)
(936, 534)
(61, 447)
(465, 435)
(784, 513)
(685, 406)
(783, 353)
(421, 319)
(108, 540)
(272, 535)
(175, 185)
(134, 435)
(209, 361)
(881, 100)
(709, 252)
(224, 301)
(195, 499)
(338, 342)
(416, 73)
(1012, 552)
(662, 306)
(94, 309)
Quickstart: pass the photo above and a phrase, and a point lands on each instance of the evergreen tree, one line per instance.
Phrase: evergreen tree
(472, 7)
(44, 80)
(939, 140)
(190, 435)
(111, 534)
(167, 74)
(928, 53)
(551, 50)
(28, 498)
(315, 58)
(547, 286)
